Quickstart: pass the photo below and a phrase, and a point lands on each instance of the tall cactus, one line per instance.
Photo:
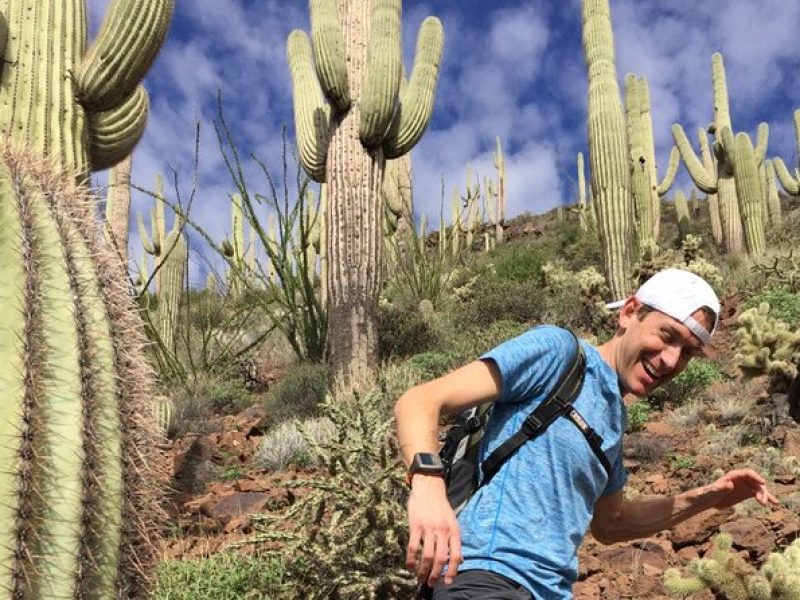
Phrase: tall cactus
(749, 189)
(237, 247)
(790, 183)
(719, 180)
(773, 200)
(500, 216)
(174, 265)
(608, 155)
(79, 514)
(682, 215)
(354, 62)
(643, 205)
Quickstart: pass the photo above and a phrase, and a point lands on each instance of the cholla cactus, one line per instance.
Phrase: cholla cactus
(727, 574)
(767, 346)
(349, 530)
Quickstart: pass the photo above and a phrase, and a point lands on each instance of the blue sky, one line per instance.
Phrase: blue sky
(510, 68)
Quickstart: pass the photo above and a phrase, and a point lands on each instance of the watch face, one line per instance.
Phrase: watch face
(427, 460)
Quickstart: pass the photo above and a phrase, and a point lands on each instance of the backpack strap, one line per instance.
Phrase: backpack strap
(558, 403)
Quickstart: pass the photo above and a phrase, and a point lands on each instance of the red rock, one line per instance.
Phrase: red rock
(751, 535)
(659, 429)
(698, 529)
(236, 505)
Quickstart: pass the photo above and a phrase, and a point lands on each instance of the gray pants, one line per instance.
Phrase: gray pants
(480, 585)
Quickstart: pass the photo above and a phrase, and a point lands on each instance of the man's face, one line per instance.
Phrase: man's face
(655, 348)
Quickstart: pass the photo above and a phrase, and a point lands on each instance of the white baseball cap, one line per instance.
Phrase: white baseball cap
(679, 294)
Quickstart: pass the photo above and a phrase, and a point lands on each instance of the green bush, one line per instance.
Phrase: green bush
(467, 344)
(403, 333)
(298, 394)
(783, 305)
(430, 365)
(520, 262)
(493, 298)
(638, 415)
(697, 376)
(229, 397)
(224, 576)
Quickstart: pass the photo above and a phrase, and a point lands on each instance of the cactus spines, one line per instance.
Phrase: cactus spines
(608, 155)
(339, 145)
(77, 508)
(791, 184)
(118, 207)
(767, 346)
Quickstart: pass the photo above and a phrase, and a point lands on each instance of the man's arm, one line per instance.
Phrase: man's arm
(617, 519)
(433, 530)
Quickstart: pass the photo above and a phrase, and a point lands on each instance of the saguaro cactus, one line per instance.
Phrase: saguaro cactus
(79, 513)
(608, 154)
(719, 180)
(356, 50)
(791, 184)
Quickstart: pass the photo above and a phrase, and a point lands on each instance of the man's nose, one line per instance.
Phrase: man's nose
(670, 357)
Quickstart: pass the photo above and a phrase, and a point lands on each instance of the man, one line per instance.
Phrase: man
(519, 534)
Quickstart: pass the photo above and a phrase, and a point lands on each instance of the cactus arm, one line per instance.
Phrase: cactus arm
(761, 142)
(773, 200)
(147, 243)
(327, 39)
(416, 102)
(790, 184)
(672, 170)
(311, 114)
(129, 40)
(722, 111)
(705, 181)
(113, 134)
(384, 71)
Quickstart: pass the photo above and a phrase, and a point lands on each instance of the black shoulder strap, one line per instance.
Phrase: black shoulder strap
(558, 403)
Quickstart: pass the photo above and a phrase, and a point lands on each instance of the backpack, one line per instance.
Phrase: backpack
(462, 442)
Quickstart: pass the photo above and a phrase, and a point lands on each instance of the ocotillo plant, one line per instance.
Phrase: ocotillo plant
(719, 180)
(608, 155)
(790, 183)
(118, 207)
(356, 51)
(79, 513)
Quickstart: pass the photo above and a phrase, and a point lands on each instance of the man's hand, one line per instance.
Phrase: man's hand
(434, 537)
(736, 486)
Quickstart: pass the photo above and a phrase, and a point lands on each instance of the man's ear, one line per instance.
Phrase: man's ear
(629, 311)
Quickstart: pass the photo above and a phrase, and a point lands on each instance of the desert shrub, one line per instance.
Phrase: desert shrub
(467, 344)
(686, 415)
(298, 394)
(229, 396)
(520, 262)
(494, 298)
(347, 536)
(783, 305)
(287, 443)
(638, 415)
(224, 576)
(431, 365)
(403, 332)
(645, 448)
(698, 375)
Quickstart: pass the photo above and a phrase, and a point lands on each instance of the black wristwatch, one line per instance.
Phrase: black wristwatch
(428, 463)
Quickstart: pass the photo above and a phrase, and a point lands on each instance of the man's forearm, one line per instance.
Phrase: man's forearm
(643, 517)
(417, 426)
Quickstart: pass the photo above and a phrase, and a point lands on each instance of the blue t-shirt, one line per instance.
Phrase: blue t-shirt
(529, 520)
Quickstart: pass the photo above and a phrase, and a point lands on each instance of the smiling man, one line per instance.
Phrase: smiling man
(518, 536)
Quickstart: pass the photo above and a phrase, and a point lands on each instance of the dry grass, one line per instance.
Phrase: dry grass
(687, 415)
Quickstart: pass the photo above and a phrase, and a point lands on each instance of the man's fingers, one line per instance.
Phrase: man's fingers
(426, 560)
(414, 540)
(455, 557)
(440, 557)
